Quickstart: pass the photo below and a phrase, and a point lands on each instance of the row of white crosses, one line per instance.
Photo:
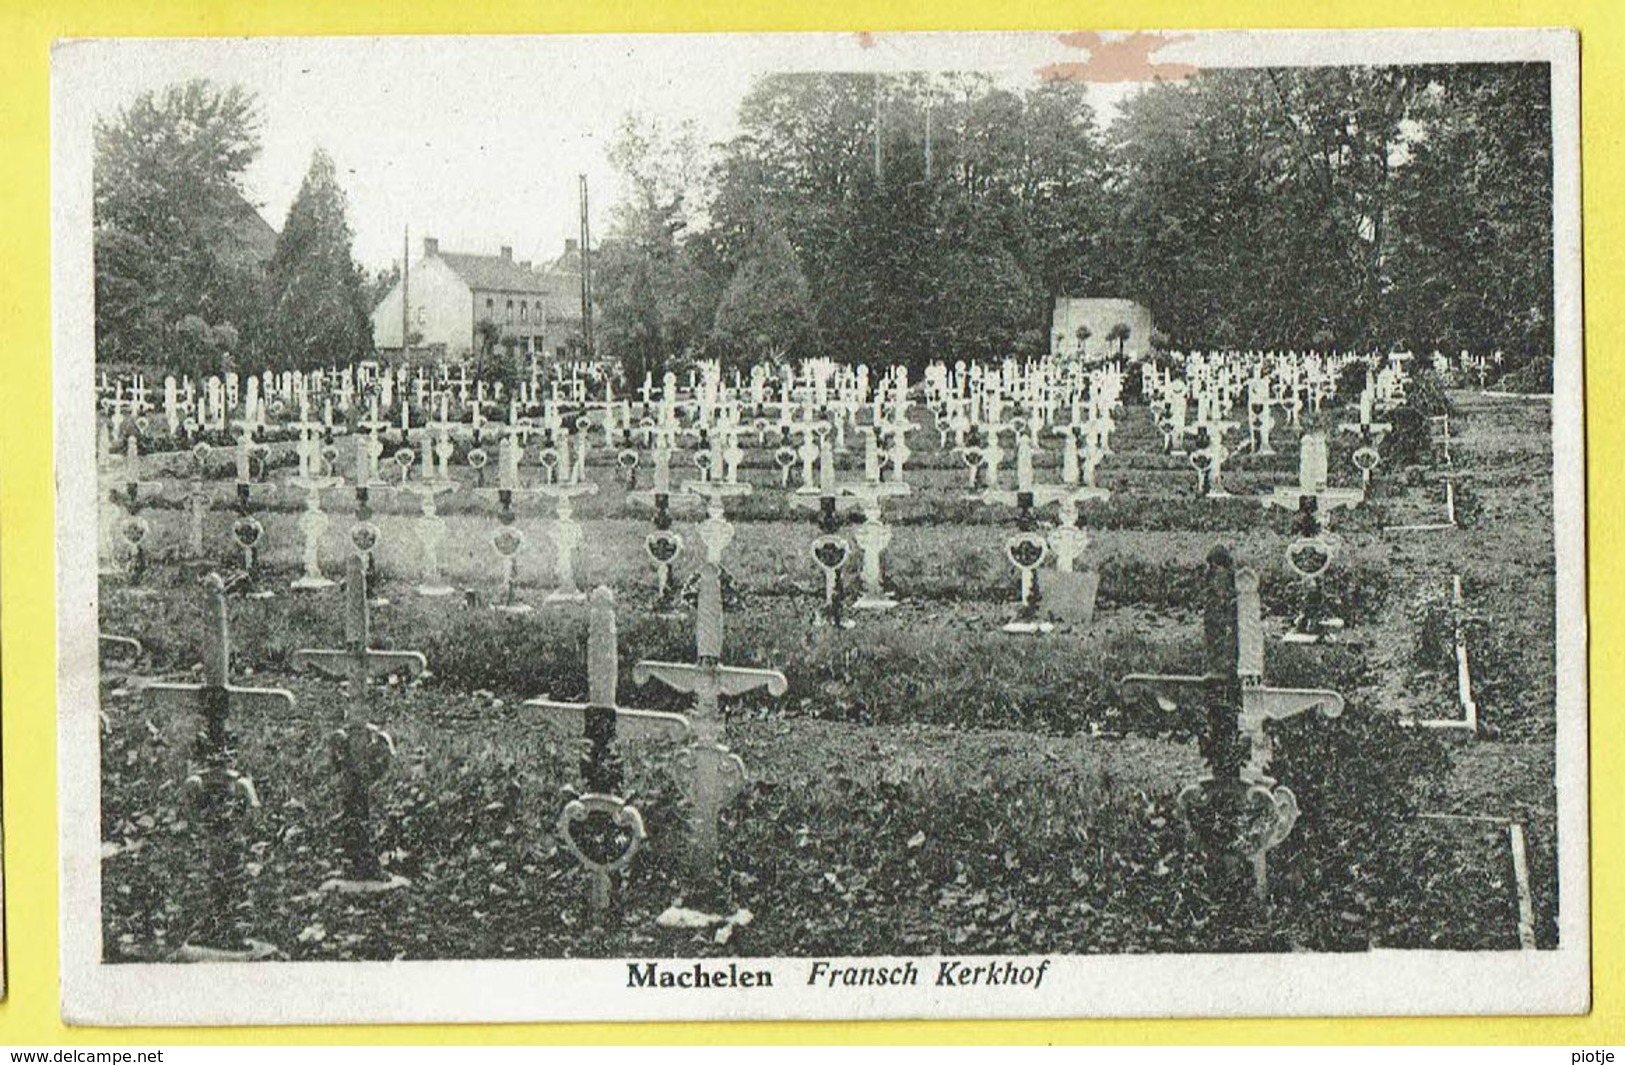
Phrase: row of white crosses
(839, 390)
(1088, 397)
(718, 482)
(1261, 383)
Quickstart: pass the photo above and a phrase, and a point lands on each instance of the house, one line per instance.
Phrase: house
(448, 295)
(1086, 327)
(249, 232)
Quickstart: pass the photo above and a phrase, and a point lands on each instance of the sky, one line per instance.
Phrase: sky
(478, 141)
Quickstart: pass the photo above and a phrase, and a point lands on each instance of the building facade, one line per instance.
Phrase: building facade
(1083, 327)
(448, 297)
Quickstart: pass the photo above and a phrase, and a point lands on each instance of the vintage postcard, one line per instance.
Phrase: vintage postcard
(820, 526)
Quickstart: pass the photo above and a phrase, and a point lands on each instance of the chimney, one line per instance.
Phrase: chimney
(571, 246)
(431, 246)
(507, 252)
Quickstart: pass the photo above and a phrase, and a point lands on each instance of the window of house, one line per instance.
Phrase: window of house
(510, 310)
(524, 311)
(490, 307)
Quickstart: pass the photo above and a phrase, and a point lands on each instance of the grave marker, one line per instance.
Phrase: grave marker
(564, 530)
(361, 751)
(213, 777)
(707, 679)
(601, 721)
(313, 521)
(662, 545)
(1237, 806)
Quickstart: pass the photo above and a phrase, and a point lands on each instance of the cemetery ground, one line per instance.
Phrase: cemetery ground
(928, 783)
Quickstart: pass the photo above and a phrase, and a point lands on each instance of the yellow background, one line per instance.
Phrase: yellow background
(27, 621)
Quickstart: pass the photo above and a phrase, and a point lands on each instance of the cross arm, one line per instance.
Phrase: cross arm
(721, 680)
(571, 489)
(736, 680)
(1289, 498)
(679, 676)
(1332, 498)
(187, 696)
(629, 724)
(337, 663)
(1275, 704)
(514, 491)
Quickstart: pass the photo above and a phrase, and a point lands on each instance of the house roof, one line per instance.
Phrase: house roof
(250, 229)
(563, 299)
(494, 273)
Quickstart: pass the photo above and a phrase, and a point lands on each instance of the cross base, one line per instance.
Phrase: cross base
(1028, 628)
(194, 954)
(565, 597)
(515, 609)
(879, 601)
(341, 886)
(434, 591)
(312, 584)
(1325, 631)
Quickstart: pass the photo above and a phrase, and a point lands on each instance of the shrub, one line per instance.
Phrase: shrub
(1533, 378)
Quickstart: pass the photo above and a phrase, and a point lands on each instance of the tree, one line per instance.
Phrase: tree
(656, 301)
(168, 211)
(1254, 206)
(1119, 334)
(1473, 259)
(766, 306)
(938, 217)
(321, 314)
(382, 283)
(932, 216)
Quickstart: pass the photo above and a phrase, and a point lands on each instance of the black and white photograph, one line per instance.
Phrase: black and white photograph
(820, 526)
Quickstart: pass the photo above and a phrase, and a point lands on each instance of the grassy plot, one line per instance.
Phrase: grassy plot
(880, 839)
(927, 783)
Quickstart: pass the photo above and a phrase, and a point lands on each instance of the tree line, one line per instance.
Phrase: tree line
(922, 217)
(181, 281)
(919, 217)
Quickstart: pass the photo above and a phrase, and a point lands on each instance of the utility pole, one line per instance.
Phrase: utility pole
(586, 274)
(406, 288)
(928, 140)
(877, 130)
